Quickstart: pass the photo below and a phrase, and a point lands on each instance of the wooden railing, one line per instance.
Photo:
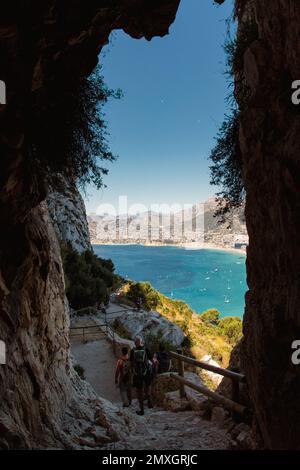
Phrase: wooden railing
(236, 378)
(87, 310)
(84, 333)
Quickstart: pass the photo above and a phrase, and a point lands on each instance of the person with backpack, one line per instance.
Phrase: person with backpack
(141, 364)
(162, 359)
(123, 377)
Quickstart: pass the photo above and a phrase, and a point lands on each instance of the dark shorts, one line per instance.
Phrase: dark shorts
(140, 382)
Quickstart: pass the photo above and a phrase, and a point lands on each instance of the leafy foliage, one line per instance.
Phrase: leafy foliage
(231, 327)
(205, 333)
(144, 291)
(211, 316)
(235, 48)
(227, 164)
(88, 278)
(70, 135)
(226, 169)
(153, 342)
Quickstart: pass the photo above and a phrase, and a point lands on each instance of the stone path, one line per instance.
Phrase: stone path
(98, 361)
(158, 428)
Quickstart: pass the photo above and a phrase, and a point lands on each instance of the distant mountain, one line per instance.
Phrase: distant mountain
(192, 225)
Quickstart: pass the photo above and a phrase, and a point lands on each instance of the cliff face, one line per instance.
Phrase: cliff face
(67, 211)
(41, 399)
(269, 136)
(44, 42)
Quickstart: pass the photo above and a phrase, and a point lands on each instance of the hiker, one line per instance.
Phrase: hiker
(123, 377)
(162, 360)
(141, 365)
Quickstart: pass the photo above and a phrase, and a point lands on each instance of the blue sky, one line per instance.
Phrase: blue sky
(174, 102)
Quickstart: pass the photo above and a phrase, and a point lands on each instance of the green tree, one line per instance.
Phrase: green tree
(89, 278)
(70, 136)
(232, 328)
(226, 168)
(144, 291)
(211, 316)
(227, 164)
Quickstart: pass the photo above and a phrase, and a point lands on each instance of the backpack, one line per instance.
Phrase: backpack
(140, 362)
(126, 370)
(164, 363)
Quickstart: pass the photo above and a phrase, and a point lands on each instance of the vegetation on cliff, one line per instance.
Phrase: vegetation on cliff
(227, 165)
(88, 278)
(76, 120)
(205, 334)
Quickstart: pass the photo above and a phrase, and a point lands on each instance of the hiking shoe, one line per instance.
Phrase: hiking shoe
(140, 413)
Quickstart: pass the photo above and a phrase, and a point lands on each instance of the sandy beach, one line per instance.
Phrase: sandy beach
(187, 246)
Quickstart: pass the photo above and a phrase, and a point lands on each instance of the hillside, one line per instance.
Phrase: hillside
(194, 224)
(205, 334)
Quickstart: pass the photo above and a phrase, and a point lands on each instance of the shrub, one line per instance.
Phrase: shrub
(88, 278)
(144, 291)
(226, 168)
(152, 342)
(232, 328)
(211, 316)
(227, 165)
(76, 123)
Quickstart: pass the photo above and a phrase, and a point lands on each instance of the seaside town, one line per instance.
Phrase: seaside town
(195, 227)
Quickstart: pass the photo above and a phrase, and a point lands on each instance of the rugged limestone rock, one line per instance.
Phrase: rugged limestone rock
(148, 324)
(43, 401)
(269, 138)
(67, 211)
(215, 378)
(43, 46)
(46, 43)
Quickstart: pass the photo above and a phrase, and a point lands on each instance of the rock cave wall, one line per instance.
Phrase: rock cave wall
(52, 39)
(68, 215)
(41, 399)
(270, 143)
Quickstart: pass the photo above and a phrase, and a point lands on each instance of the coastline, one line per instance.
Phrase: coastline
(187, 246)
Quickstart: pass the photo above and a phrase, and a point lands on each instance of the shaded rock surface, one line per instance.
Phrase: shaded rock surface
(43, 401)
(269, 139)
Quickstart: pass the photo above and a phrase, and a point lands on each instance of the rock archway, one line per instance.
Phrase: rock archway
(45, 44)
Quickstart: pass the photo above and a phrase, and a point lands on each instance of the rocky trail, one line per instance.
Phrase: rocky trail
(159, 428)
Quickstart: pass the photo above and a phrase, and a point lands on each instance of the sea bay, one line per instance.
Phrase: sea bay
(203, 278)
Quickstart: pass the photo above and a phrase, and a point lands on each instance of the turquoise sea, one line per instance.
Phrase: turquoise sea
(202, 278)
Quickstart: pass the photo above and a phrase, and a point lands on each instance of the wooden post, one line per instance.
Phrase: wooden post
(180, 364)
(231, 405)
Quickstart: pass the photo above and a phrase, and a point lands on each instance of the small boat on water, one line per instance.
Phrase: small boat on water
(226, 300)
